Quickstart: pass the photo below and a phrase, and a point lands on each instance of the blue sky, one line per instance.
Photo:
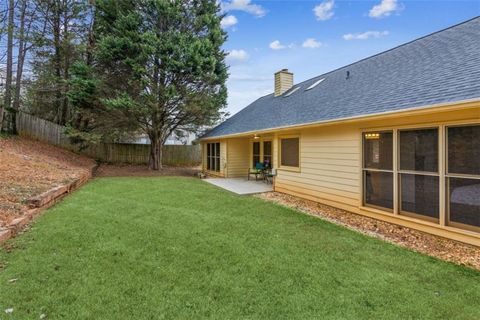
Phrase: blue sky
(313, 37)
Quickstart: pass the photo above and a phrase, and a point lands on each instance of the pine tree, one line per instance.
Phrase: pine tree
(55, 50)
(158, 66)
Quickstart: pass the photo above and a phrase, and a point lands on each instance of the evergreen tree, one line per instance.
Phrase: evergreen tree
(56, 48)
(158, 67)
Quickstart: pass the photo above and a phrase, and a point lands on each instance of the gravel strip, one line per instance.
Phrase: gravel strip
(442, 248)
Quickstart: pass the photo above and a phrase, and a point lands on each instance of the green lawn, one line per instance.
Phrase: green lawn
(163, 248)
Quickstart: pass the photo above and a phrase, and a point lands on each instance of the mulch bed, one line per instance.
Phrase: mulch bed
(425, 243)
(29, 168)
(109, 170)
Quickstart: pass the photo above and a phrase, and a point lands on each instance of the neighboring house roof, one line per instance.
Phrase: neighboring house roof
(440, 68)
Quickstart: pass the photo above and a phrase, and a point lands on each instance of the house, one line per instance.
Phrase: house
(395, 136)
(181, 137)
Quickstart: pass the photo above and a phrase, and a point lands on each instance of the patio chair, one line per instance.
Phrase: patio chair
(269, 175)
(257, 171)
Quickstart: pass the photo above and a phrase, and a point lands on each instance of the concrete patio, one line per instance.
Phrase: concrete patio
(241, 186)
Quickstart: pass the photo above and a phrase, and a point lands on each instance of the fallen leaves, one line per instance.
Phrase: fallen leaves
(28, 168)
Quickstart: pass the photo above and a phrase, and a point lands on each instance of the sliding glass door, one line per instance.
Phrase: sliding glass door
(213, 156)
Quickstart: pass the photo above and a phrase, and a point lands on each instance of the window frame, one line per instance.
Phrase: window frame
(289, 168)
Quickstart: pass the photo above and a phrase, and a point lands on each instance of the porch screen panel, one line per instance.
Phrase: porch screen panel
(378, 169)
(419, 176)
(463, 177)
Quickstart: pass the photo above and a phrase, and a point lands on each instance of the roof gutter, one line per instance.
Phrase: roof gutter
(458, 105)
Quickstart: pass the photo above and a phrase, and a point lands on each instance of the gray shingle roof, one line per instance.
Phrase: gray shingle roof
(439, 68)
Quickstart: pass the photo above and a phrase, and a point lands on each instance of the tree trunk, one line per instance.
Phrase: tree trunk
(22, 51)
(156, 153)
(8, 82)
(57, 63)
(66, 52)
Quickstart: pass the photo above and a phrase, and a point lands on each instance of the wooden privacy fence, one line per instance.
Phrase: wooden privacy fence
(43, 130)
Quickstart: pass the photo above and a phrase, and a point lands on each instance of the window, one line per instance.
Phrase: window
(267, 153)
(290, 152)
(378, 169)
(419, 177)
(463, 177)
(256, 154)
(213, 156)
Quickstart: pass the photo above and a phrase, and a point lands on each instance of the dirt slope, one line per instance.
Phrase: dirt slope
(29, 167)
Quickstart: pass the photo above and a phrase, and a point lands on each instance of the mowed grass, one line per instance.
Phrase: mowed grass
(179, 248)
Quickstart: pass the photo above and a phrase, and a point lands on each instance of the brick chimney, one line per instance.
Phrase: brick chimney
(283, 81)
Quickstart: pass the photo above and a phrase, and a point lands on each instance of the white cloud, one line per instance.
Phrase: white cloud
(276, 45)
(324, 10)
(384, 9)
(365, 35)
(311, 43)
(228, 21)
(245, 6)
(237, 56)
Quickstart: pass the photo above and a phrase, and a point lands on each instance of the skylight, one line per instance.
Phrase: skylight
(316, 83)
(291, 91)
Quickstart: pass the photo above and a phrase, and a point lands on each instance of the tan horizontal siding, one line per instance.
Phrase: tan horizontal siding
(238, 157)
(330, 188)
(318, 143)
(329, 168)
(326, 198)
(313, 161)
(319, 178)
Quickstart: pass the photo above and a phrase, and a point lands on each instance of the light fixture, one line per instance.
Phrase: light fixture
(256, 137)
(372, 136)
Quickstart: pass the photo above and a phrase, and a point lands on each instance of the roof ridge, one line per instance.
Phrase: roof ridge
(386, 51)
